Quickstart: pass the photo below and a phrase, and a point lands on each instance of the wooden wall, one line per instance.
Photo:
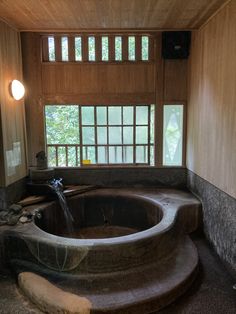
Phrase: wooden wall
(211, 145)
(61, 83)
(12, 113)
(97, 83)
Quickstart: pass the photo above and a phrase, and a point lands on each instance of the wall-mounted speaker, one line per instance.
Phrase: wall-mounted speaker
(176, 45)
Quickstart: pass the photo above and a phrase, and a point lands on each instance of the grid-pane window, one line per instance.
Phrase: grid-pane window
(80, 135)
(173, 135)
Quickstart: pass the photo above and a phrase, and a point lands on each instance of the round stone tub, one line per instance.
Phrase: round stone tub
(128, 252)
(114, 229)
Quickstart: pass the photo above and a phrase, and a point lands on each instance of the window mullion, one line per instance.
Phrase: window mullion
(134, 135)
(122, 135)
(111, 41)
(84, 40)
(149, 135)
(95, 134)
(107, 148)
(71, 48)
(57, 156)
(80, 136)
(98, 48)
(124, 48)
(138, 48)
(58, 48)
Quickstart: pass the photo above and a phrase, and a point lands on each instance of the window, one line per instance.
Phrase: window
(91, 48)
(78, 49)
(118, 48)
(64, 49)
(105, 48)
(172, 135)
(78, 135)
(51, 49)
(87, 48)
(131, 48)
(145, 50)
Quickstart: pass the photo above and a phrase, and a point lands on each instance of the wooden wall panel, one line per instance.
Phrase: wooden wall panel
(175, 80)
(211, 141)
(34, 98)
(13, 145)
(107, 83)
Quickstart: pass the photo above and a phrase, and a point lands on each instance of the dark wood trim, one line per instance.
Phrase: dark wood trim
(58, 55)
(71, 48)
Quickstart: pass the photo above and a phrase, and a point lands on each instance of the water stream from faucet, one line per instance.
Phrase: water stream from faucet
(58, 188)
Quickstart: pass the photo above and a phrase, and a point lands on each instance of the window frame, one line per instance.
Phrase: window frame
(184, 137)
(98, 48)
(81, 146)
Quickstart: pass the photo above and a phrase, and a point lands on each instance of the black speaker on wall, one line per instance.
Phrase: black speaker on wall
(176, 45)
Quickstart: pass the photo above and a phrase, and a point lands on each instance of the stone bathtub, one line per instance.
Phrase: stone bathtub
(129, 251)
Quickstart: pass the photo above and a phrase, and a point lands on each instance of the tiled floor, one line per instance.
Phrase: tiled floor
(212, 292)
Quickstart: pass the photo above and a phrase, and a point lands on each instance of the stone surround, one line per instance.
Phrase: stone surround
(120, 177)
(12, 193)
(111, 177)
(219, 218)
(137, 273)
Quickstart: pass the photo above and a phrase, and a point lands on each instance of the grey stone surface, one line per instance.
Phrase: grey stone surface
(12, 193)
(158, 240)
(140, 272)
(211, 293)
(219, 218)
(159, 177)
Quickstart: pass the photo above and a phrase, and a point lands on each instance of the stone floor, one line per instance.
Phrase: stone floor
(212, 292)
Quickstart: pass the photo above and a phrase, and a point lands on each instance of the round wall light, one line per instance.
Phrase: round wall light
(17, 89)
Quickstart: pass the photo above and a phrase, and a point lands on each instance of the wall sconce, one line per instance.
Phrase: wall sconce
(17, 89)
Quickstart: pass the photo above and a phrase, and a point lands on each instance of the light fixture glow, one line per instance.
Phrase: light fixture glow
(17, 89)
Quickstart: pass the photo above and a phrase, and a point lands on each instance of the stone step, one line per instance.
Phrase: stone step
(140, 290)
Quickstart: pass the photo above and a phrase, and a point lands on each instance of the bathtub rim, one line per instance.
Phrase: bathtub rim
(167, 221)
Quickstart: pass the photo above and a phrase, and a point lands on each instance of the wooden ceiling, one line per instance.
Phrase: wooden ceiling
(72, 15)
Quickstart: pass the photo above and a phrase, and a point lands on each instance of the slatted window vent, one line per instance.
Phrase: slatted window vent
(97, 48)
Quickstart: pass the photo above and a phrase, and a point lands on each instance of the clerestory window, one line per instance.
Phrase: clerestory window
(97, 48)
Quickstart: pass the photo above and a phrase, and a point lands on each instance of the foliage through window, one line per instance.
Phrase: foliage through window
(118, 48)
(105, 48)
(131, 48)
(97, 48)
(91, 48)
(172, 135)
(78, 49)
(78, 135)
